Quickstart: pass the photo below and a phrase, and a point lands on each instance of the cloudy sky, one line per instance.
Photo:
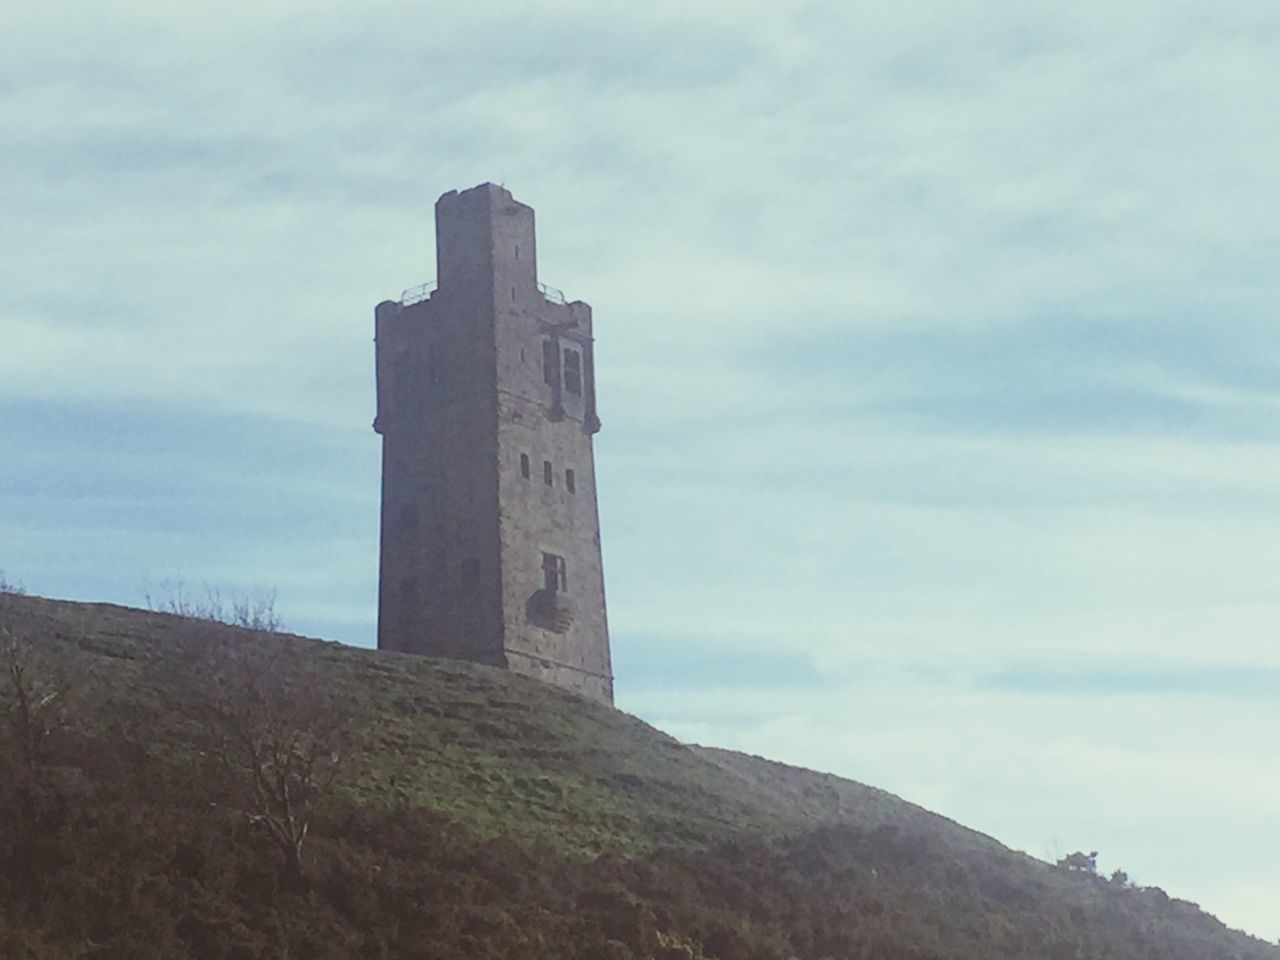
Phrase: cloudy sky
(937, 363)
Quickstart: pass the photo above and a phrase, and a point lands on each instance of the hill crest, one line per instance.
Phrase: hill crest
(561, 822)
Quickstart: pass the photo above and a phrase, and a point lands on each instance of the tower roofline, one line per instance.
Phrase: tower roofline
(488, 187)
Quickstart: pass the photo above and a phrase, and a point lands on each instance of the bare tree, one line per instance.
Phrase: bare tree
(37, 684)
(253, 611)
(278, 733)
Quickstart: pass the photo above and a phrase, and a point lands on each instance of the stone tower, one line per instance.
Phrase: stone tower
(487, 407)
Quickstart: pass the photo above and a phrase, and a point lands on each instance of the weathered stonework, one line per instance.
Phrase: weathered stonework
(486, 407)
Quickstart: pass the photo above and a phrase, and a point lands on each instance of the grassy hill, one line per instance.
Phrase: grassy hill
(473, 813)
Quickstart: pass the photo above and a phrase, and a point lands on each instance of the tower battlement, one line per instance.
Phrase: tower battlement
(486, 405)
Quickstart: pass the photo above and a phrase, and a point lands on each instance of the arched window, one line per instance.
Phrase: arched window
(555, 578)
(573, 372)
(550, 364)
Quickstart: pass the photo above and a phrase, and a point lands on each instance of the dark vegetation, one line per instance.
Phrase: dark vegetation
(175, 788)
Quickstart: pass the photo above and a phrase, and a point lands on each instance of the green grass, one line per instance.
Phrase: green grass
(500, 754)
(552, 825)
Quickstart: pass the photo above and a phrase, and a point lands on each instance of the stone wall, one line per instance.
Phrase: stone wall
(486, 404)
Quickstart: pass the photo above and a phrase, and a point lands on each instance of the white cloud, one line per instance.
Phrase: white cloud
(936, 357)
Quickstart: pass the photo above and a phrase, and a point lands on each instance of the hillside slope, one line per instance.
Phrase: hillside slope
(482, 814)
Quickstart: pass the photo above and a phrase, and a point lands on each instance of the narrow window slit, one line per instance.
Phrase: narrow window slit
(573, 372)
(554, 574)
